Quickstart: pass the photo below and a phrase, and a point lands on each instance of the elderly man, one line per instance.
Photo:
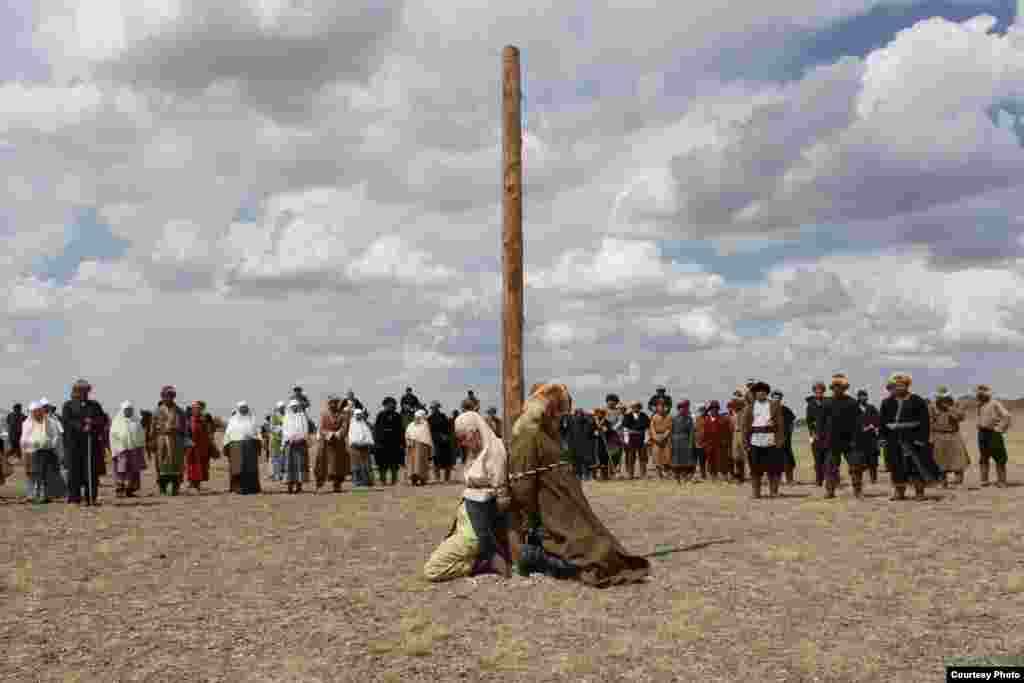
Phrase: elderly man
(993, 423)
(168, 433)
(904, 433)
(472, 543)
(547, 495)
(84, 426)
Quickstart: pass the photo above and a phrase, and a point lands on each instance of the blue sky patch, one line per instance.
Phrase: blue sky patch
(87, 240)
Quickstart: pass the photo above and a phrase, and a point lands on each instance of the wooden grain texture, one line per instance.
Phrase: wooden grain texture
(512, 240)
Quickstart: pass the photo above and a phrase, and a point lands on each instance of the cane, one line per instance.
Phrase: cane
(89, 465)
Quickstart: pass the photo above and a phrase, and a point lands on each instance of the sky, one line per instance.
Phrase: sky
(242, 196)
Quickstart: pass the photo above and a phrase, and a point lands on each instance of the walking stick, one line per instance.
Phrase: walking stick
(88, 450)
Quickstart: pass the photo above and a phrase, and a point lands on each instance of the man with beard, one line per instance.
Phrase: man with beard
(443, 438)
(168, 427)
(763, 432)
(905, 431)
(867, 435)
(789, 422)
(389, 441)
(842, 427)
(993, 423)
(84, 423)
(815, 417)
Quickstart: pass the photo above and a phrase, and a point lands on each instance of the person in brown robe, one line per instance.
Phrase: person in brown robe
(740, 454)
(948, 447)
(545, 493)
(332, 460)
(660, 433)
(763, 430)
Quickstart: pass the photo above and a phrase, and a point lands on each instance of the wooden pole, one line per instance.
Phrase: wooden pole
(512, 242)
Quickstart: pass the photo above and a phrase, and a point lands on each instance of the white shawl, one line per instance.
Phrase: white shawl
(419, 430)
(359, 433)
(486, 474)
(296, 425)
(241, 428)
(126, 433)
(37, 436)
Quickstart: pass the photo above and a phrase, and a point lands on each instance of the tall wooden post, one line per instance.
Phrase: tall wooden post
(512, 242)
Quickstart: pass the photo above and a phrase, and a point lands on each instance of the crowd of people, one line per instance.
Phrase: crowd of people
(66, 453)
(525, 508)
(921, 439)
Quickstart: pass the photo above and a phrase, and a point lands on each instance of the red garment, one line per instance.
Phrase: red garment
(715, 426)
(197, 458)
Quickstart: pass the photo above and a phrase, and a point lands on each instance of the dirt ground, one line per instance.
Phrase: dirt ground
(216, 587)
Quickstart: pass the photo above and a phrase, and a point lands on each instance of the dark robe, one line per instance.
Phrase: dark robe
(581, 440)
(441, 433)
(815, 417)
(842, 426)
(906, 452)
(77, 444)
(249, 474)
(789, 421)
(389, 439)
(14, 422)
(867, 434)
(410, 403)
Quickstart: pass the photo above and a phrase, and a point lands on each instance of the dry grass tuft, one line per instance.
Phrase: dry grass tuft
(1003, 535)
(510, 653)
(1015, 582)
(810, 655)
(789, 553)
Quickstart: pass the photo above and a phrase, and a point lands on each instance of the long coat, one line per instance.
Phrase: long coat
(444, 439)
(389, 439)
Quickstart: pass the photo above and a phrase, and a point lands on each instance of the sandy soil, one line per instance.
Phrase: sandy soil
(216, 587)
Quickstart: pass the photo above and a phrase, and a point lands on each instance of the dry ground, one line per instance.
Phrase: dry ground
(327, 588)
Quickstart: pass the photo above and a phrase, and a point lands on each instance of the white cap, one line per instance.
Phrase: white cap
(241, 404)
(44, 402)
(280, 404)
(34, 405)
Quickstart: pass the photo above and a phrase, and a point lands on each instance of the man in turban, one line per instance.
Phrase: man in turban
(993, 423)
(842, 425)
(548, 496)
(84, 440)
(904, 433)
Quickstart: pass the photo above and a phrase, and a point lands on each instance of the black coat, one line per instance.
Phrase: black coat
(640, 423)
(842, 420)
(14, 421)
(915, 409)
(581, 438)
(388, 439)
(73, 417)
(443, 437)
(815, 415)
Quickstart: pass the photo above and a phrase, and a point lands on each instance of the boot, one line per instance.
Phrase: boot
(1001, 475)
(755, 486)
(643, 467)
(174, 488)
(830, 488)
(919, 490)
(337, 486)
(899, 492)
(959, 481)
(447, 475)
(819, 475)
(984, 473)
(740, 470)
(789, 475)
(873, 473)
(945, 480)
(773, 486)
(163, 486)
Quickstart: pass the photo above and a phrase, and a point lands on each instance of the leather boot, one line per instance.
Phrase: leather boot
(857, 478)
(789, 475)
(1001, 475)
(773, 487)
(919, 490)
(755, 486)
(899, 492)
(447, 475)
(643, 466)
(959, 481)
(983, 467)
(631, 466)
(740, 470)
(873, 472)
(830, 488)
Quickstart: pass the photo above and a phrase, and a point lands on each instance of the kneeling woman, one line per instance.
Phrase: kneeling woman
(472, 543)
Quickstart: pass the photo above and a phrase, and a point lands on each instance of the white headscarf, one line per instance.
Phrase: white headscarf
(359, 433)
(419, 430)
(126, 433)
(296, 425)
(37, 436)
(490, 464)
(241, 427)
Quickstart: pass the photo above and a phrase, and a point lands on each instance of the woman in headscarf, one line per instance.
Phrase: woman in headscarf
(684, 461)
(242, 446)
(660, 434)
(360, 442)
(197, 458)
(128, 446)
(419, 448)
(948, 447)
(295, 436)
(698, 439)
(716, 437)
(40, 441)
(56, 483)
(332, 461)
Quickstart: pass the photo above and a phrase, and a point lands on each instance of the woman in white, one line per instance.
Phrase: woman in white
(360, 441)
(419, 447)
(40, 441)
(242, 441)
(485, 473)
(128, 447)
(296, 436)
